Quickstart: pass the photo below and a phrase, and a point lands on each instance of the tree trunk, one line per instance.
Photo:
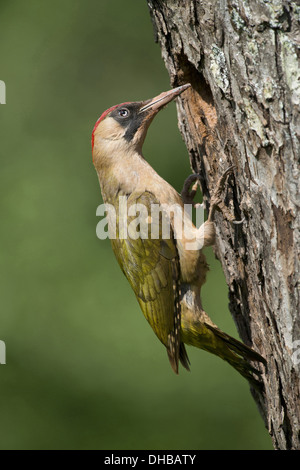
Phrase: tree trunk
(240, 57)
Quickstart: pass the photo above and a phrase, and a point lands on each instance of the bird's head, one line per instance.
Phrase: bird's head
(123, 127)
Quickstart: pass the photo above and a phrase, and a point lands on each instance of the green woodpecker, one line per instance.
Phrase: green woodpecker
(165, 273)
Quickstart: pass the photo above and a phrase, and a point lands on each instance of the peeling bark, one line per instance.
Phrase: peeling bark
(242, 60)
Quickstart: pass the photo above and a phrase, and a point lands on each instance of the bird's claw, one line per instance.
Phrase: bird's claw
(187, 193)
(238, 222)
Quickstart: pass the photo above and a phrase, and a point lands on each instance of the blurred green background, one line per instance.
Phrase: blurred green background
(84, 370)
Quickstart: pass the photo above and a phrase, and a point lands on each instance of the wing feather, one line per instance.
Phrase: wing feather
(149, 265)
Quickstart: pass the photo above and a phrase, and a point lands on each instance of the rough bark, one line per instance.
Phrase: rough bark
(240, 57)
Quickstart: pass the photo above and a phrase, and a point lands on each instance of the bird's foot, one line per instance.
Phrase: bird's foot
(188, 194)
(217, 202)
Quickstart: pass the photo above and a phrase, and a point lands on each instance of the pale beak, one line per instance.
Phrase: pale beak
(164, 98)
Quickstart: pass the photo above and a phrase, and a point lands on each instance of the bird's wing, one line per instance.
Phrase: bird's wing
(152, 269)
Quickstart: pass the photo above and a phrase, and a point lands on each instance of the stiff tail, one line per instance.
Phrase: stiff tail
(205, 336)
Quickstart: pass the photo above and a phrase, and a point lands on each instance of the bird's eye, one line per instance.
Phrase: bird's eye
(123, 112)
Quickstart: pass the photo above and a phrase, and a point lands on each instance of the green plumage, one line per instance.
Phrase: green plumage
(152, 269)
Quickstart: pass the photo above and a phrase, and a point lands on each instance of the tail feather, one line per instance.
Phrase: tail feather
(210, 338)
(237, 346)
(184, 359)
